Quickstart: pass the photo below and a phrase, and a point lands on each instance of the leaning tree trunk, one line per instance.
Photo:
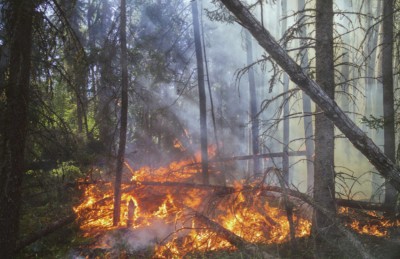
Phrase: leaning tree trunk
(124, 117)
(355, 135)
(202, 93)
(388, 98)
(324, 175)
(15, 130)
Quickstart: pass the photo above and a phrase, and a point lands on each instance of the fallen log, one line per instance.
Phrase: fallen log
(357, 244)
(363, 205)
(226, 234)
(220, 190)
(52, 227)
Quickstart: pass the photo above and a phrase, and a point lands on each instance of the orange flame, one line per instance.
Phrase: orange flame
(240, 212)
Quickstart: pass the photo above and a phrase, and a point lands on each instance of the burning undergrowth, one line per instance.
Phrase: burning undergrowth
(370, 223)
(168, 211)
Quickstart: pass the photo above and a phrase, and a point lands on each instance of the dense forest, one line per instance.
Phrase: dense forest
(194, 129)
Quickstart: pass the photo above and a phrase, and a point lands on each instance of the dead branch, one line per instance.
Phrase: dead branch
(364, 205)
(288, 207)
(354, 134)
(231, 237)
(364, 252)
(304, 197)
(220, 190)
(269, 155)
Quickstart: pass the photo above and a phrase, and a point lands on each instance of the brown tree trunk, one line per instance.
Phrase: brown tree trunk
(14, 136)
(124, 117)
(202, 93)
(355, 135)
(388, 98)
(324, 174)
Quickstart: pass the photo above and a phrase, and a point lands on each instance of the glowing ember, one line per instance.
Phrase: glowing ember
(374, 226)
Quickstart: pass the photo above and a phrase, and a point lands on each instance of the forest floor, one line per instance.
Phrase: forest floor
(66, 244)
(378, 247)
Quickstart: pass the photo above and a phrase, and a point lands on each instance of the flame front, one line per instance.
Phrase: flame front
(374, 225)
(241, 212)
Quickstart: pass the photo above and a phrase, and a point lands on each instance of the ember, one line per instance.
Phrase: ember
(375, 225)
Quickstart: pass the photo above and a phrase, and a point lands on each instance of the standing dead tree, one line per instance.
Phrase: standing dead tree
(356, 136)
(202, 93)
(124, 117)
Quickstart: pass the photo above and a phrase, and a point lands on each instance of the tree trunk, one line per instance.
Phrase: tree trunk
(14, 137)
(388, 98)
(124, 117)
(324, 174)
(308, 124)
(286, 122)
(202, 93)
(104, 113)
(253, 107)
(355, 135)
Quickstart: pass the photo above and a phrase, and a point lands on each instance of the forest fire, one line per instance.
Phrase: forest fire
(180, 216)
(374, 224)
(193, 214)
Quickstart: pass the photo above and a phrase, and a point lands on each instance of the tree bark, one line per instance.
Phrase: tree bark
(324, 174)
(253, 107)
(15, 130)
(286, 122)
(388, 95)
(202, 93)
(124, 117)
(355, 135)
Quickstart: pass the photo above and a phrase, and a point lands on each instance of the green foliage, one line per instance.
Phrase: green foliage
(373, 122)
(49, 196)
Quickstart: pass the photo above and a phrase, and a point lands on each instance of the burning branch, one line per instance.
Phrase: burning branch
(229, 236)
(263, 190)
(364, 205)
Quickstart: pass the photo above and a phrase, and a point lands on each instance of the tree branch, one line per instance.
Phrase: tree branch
(356, 136)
